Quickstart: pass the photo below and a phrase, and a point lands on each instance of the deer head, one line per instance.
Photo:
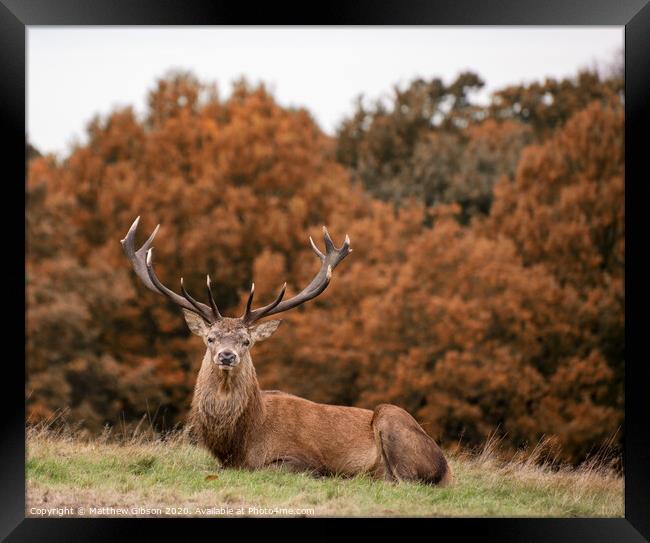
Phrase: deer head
(227, 339)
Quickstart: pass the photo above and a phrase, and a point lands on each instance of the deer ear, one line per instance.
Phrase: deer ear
(263, 330)
(195, 323)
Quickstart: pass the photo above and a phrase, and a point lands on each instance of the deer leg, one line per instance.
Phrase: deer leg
(407, 452)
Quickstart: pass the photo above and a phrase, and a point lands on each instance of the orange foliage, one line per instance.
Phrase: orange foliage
(510, 319)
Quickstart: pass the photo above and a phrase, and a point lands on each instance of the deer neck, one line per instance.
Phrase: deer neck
(227, 407)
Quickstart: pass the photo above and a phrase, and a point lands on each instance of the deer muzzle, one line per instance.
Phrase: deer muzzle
(227, 359)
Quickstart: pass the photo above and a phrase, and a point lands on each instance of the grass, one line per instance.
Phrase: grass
(172, 477)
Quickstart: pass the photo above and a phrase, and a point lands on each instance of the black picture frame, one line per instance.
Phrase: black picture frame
(16, 15)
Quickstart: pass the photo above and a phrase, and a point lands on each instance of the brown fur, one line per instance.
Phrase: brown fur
(243, 426)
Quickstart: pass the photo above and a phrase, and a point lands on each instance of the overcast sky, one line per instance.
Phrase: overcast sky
(74, 73)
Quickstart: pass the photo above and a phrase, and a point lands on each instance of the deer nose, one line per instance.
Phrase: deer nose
(227, 357)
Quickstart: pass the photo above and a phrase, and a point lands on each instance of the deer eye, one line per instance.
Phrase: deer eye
(247, 342)
(210, 339)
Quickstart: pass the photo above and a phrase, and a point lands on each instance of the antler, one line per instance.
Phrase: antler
(141, 261)
(319, 283)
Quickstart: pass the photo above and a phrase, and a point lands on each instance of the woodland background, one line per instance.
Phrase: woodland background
(485, 293)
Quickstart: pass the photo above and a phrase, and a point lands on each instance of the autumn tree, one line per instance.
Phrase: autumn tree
(430, 143)
(565, 210)
(547, 105)
(462, 168)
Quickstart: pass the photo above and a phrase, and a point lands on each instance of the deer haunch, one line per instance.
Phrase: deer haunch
(408, 453)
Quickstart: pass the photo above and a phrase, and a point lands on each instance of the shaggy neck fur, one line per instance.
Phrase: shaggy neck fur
(226, 409)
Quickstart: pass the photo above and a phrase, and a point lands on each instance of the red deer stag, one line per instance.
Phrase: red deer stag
(243, 426)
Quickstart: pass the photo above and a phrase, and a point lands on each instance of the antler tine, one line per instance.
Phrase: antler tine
(137, 258)
(189, 298)
(213, 304)
(256, 314)
(316, 249)
(346, 244)
(141, 260)
(329, 244)
(249, 303)
(319, 283)
(186, 301)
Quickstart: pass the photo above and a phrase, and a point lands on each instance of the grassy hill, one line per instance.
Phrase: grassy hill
(172, 477)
